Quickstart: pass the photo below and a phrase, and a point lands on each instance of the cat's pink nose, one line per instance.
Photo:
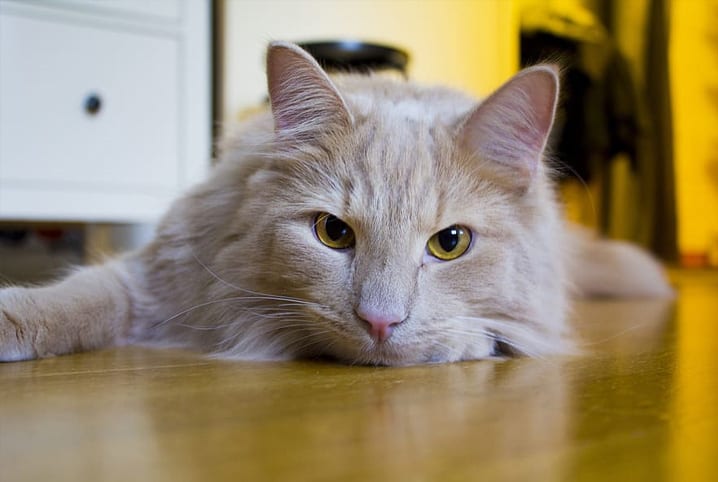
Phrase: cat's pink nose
(379, 324)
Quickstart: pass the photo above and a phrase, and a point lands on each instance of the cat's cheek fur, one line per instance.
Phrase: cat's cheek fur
(297, 267)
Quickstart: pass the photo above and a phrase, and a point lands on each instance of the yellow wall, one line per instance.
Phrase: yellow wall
(694, 85)
(694, 77)
(469, 44)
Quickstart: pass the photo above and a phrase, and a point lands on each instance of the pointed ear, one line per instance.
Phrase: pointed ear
(511, 127)
(304, 100)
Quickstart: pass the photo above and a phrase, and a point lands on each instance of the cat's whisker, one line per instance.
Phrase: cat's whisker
(503, 340)
(291, 342)
(565, 166)
(204, 327)
(536, 347)
(266, 297)
(518, 337)
(252, 310)
(260, 295)
(197, 306)
(309, 339)
(499, 324)
(618, 334)
(254, 331)
(279, 315)
(237, 322)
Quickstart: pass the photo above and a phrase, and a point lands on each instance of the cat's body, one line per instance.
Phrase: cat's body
(365, 219)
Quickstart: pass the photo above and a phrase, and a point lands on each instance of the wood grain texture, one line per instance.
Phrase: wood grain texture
(640, 404)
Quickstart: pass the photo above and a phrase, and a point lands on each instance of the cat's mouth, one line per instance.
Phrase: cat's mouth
(394, 353)
(381, 353)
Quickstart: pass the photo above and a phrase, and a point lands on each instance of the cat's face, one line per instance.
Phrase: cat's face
(358, 233)
(405, 244)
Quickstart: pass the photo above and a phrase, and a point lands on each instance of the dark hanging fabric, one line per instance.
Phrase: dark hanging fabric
(598, 116)
(656, 218)
(603, 113)
(661, 232)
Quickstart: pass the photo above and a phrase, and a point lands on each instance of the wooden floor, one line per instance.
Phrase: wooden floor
(642, 405)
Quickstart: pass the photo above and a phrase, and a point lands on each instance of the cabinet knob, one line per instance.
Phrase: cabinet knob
(93, 104)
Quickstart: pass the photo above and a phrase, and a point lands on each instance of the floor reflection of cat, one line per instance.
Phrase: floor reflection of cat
(387, 423)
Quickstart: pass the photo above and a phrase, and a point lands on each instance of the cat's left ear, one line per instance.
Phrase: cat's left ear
(512, 126)
(305, 102)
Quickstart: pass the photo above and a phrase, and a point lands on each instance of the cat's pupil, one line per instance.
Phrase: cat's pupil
(336, 228)
(449, 238)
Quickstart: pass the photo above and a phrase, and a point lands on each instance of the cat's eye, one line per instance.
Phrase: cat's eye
(333, 232)
(449, 243)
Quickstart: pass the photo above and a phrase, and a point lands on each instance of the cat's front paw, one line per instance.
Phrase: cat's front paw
(15, 338)
(13, 346)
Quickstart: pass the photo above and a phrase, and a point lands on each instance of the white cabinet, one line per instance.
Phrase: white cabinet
(104, 107)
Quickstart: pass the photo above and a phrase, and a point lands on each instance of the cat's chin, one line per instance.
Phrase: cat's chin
(388, 354)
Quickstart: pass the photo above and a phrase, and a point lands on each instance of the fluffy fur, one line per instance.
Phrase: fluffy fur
(236, 268)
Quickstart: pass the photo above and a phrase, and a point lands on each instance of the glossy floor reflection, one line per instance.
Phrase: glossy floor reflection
(641, 404)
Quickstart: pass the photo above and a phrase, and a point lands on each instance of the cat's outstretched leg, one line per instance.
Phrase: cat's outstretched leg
(614, 269)
(89, 309)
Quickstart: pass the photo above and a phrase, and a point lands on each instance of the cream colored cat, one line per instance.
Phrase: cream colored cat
(364, 219)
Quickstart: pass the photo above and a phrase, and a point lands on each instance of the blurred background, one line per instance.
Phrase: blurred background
(109, 108)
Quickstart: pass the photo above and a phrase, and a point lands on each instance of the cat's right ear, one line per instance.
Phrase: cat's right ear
(511, 127)
(304, 100)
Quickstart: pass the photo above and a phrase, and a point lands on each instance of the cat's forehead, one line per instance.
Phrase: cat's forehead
(401, 109)
(404, 173)
(397, 100)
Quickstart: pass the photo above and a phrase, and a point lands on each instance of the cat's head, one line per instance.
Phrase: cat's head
(415, 224)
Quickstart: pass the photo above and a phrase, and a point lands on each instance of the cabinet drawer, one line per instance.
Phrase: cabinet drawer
(158, 9)
(47, 72)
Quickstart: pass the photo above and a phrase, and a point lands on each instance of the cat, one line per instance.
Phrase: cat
(360, 218)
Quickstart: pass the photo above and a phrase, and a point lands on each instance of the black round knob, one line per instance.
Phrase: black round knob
(93, 104)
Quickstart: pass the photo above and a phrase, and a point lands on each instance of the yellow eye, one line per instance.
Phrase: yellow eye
(449, 243)
(333, 232)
